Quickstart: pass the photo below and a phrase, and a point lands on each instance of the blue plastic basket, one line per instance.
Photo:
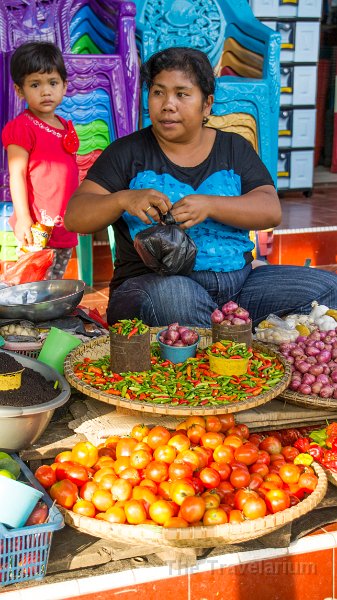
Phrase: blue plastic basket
(24, 552)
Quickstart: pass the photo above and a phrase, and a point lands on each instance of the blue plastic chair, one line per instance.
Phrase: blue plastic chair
(236, 42)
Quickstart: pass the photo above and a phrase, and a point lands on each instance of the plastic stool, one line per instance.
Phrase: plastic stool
(85, 259)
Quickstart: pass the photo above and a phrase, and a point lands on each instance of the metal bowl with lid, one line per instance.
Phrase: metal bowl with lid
(41, 300)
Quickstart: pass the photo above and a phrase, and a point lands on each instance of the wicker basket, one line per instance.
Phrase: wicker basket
(198, 537)
(100, 347)
(308, 401)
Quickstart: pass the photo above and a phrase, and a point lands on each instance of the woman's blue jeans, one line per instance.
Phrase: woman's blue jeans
(275, 289)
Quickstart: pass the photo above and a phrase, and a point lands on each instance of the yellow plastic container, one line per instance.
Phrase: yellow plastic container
(10, 381)
(228, 366)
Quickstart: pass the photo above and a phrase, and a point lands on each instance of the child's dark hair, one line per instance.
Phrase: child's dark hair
(36, 57)
(188, 60)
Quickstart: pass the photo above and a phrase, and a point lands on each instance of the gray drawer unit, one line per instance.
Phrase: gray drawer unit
(299, 9)
(298, 85)
(297, 128)
(295, 169)
(299, 40)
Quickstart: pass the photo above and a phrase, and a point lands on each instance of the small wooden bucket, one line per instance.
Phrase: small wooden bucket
(131, 354)
(236, 333)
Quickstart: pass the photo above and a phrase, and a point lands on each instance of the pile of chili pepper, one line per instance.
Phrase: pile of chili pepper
(229, 349)
(321, 445)
(129, 327)
(190, 383)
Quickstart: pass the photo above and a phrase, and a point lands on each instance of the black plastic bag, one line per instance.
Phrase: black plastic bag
(166, 248)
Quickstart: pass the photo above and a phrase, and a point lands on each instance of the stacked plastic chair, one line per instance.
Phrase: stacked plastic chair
(97, 40)
(245, 55)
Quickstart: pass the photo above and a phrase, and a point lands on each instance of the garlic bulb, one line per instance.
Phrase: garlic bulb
(325, 323)
(318, 310)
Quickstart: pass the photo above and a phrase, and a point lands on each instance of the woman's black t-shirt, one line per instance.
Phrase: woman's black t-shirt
(137, 162)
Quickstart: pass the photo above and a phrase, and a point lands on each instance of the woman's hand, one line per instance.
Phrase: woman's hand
(23, 232)
(145, 203)
(191, 210)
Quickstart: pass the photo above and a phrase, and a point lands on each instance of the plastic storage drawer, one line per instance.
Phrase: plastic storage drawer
(297, 128)
(298, 85)
(299, 40)
(295, 169)
(310, 9)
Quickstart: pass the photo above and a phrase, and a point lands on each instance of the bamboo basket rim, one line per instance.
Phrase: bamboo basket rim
(201, 536)
(78, 354)
(310, 401)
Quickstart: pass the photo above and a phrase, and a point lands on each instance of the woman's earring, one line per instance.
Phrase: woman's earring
(205, 120)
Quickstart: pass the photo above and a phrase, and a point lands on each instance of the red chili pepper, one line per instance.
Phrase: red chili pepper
(133, 332)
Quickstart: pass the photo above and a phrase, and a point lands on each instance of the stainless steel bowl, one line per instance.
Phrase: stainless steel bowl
(21, 426)
(41, 300)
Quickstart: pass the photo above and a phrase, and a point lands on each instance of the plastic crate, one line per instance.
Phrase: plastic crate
(24, 552)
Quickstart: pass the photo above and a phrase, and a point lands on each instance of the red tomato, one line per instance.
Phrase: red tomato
(227, 421)
(223, 469)
(205, 456)
(105, 451)
(179, 470)
(254, 508)
(247, 453)
(241, 497)
(84, 453)
(263, 457)
(195, 432)
(45, 475)
(233, 440)
(255, 481)
(274, 478)
(190, 457)
(209, 477)
(240, 478)
(192, 508)
(241, 430)
(259, 468)
(213, 423)
(64, 492)
(289, 453)
(271, 444)
(256, 438)
(76, 473)
(277, 500)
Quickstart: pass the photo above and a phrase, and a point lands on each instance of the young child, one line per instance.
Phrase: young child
(41, 149)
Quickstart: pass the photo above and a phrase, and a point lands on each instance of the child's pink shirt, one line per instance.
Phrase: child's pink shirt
(52, 173)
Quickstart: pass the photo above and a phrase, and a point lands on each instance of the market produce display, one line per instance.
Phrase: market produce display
(178, 335)
(208, 472)
(185, 385)
(129, 327)
(230, 314)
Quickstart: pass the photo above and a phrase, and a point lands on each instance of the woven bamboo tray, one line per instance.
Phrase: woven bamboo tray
(100, 347)
(198, 537)
(308, 401)
(332, 477)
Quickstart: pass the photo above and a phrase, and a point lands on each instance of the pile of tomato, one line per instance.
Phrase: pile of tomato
(208, 471)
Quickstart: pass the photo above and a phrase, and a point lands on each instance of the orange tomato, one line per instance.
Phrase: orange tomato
(115, 514)
(179, 490)
(192, 508)
(139, 432)
(195, 420)
(63, 456)
(158, 436)
(212, 499)
(149, 484)
(102, 500)
(104, 471)
(140, 459)
(180, 442)
(289, 473)
(135, 512)
(64, 492)
(215, 516)
(104, 461)
(121, 463)
(234, 441)
(195, 432)
(84, 507)
(165, 453)
(112, 441)
(157, 471)
(213, 423)
(190, 457)
(130, 474)
(121, 489)
(125, 447)
(160, 511)
(84, 453)
(175, 522)
(147, 496)
(107, 480)
(179, 470)
(223, 453)
(235, 516)
(87, 490)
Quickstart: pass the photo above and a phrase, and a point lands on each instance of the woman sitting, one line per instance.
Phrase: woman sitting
(217, 189)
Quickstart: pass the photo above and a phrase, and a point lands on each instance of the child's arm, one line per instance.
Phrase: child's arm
(17, 164)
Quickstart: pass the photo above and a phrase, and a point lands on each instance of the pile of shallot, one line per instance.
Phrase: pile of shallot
(178, 335)
(314, 363)
(230, 314)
